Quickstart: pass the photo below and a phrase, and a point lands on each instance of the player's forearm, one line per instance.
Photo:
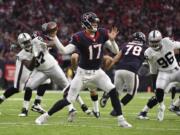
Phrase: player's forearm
(29, 64)
(112, 45)
(117, 57)
(64, 50)
(177, 44)
(115, 47)
(74, 60)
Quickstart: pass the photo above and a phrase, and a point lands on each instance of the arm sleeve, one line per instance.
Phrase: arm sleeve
(112, 45)
(64, 50)
(36, 48)
(170, 42)
(176, 44)
(153, 69)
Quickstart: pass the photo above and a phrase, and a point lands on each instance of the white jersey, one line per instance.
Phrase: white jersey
(47, 66)
(21, 73)
(44, 59)
(24, 55)
(164, 58)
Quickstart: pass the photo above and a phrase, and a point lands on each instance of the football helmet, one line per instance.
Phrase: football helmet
(88, 19)
(154, 39)
(24, 40)
(139, 36)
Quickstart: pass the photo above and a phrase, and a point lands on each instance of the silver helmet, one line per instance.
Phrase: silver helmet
(154, 39)
(24, 40)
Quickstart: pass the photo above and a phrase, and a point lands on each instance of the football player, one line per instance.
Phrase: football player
(173, 88)
(161, 54)
(90, 44)
(153, 101)
(129, 60)
(44, 66)
(48, 30)
(93, 92)
(176, 107)
(21, 76)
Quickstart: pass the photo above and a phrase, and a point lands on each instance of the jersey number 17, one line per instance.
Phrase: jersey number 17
(92, 51)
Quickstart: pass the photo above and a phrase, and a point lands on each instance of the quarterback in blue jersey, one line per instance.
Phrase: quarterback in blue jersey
(90, 44)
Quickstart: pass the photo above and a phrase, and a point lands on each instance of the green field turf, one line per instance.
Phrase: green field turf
(11, 124)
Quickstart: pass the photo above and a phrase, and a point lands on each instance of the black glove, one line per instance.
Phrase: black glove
(143, 70)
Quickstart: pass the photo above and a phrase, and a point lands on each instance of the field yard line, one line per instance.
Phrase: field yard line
(104, 112)
(50, 99)
(84, 125)
(139, 96)
(152, 118)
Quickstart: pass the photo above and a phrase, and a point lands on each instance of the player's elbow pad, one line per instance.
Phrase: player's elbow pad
(144, 70)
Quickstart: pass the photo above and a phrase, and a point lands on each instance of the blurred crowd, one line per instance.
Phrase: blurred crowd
(18, 16)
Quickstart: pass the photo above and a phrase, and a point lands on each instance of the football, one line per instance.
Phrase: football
(107, 61)
(51, 27)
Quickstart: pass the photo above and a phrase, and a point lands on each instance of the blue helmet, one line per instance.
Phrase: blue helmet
(87, 19)
(139, 36)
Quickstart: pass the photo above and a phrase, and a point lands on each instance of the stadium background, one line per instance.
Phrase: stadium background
(18, 16)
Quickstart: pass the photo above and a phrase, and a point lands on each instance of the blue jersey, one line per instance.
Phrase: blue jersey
(132, 57)
(90, 49)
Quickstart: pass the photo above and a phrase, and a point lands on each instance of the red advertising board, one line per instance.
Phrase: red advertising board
(9, 72)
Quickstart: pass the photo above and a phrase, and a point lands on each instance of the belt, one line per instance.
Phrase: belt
(87, 71)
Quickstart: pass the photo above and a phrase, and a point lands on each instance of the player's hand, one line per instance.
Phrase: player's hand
(53, 34)
(44, 45)
(113, 33)
(50, 44)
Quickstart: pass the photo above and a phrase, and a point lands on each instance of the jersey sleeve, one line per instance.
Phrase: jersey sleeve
(153, 67)
(105, 33)
(38, 45)
(149, 59)
(176, 44)
(22, 55)
(75, 40)
(147, 55)
(170, 42)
